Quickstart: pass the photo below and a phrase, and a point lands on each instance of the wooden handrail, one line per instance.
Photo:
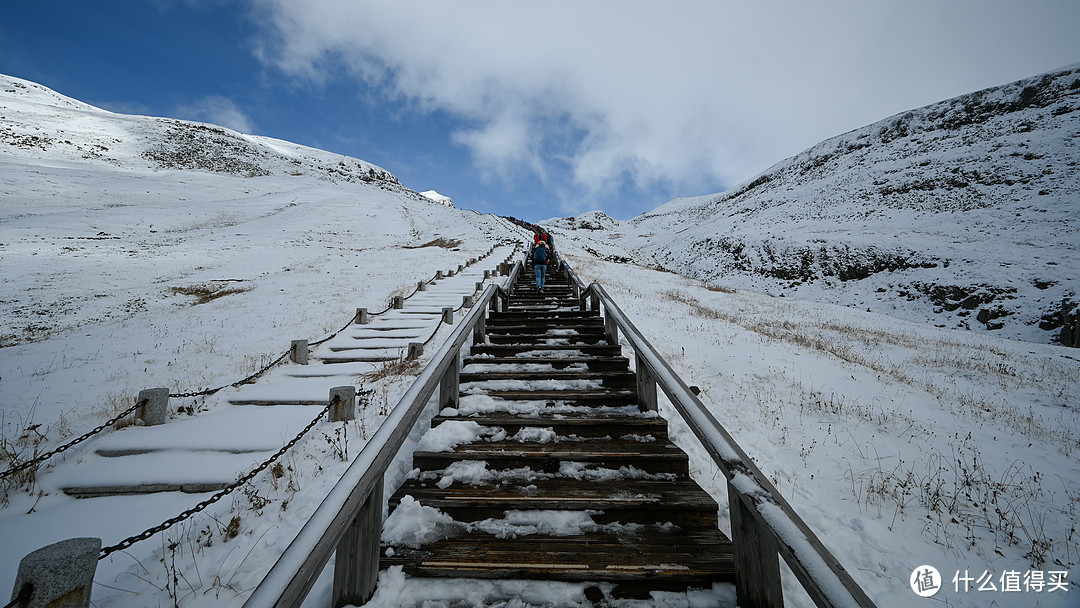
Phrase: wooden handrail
(352, 510)
(763, 523)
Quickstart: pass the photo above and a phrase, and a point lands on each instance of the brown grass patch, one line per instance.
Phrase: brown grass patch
(397, 367)
(439, 242)
(208, 292)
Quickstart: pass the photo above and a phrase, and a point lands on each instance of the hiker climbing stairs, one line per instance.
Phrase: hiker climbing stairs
(549, 468)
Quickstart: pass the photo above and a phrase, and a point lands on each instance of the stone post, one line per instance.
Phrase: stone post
(362, 316)
(438, 275)
(466, 301)
(448, 315)
(399, 302)
(343, 399)
(155, 406)
(421, 286)
(298, 352)
(59, 575)
(416, 350)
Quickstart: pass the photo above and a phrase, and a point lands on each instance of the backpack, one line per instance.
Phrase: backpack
(540, 255)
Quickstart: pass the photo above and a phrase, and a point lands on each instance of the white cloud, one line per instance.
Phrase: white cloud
(684, 93)
(217, 110)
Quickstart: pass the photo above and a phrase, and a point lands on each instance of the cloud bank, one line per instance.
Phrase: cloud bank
(592, 96)
(219, 111)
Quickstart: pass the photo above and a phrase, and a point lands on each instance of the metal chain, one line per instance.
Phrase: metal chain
(211, 391)
(51, 453)
(168, 523)
(202, 393)
(248, 380)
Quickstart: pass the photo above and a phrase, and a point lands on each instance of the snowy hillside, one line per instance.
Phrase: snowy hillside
(144, 252)
(438, 198)
(962, 214)
(899, 443)
(40, 123)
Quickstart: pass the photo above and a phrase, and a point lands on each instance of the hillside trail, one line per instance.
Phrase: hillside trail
(155, 472)
(548, 469)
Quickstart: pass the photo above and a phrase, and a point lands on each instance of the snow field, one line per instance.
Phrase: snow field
(898, 443)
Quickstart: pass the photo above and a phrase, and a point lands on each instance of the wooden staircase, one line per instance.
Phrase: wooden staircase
(560, 431)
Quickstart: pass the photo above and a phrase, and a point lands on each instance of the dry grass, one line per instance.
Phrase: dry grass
(387, 369)
(439, 242)
(207, 292)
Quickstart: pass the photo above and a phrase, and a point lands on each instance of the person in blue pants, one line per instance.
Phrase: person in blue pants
(540, 260)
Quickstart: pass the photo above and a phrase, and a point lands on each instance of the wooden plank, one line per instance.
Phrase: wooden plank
(757, 564)
(356, 560)
(692, 557)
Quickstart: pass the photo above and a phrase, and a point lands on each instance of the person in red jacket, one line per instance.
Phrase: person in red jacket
(540, 262)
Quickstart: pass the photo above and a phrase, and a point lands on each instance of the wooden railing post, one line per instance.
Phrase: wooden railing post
(450, 385)
(479, 334)
(356, 565)
(646, 386)
(611, 330)
(757, 563)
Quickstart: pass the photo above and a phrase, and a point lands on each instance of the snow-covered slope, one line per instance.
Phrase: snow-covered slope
(438, 198)
(899, 443)
(141, 252)
(39, 123)
(128, 245)
(960, 214)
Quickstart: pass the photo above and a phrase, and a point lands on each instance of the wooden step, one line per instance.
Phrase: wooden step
(512, 350)
(668, 561)
(552, 314)
(548, 457)
(610, 379)
(582, 425)
(679, 502)
(584, 337)
(594, 364)
(586, 397)
(504, 325)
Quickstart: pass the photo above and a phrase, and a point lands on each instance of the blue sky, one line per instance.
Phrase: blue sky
(537, 109)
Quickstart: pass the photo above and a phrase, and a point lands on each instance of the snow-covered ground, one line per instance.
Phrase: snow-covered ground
(900, 443)
(962, 214)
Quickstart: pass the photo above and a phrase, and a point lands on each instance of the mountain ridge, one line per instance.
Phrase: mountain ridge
(961, 213)
(45, 124)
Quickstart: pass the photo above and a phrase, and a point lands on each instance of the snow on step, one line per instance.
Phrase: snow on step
(213, 430)
(547, 469)
(170, 470)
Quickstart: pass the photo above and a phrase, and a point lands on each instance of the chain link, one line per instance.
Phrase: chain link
(168, 523)
(78, 440)
(202, 393)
